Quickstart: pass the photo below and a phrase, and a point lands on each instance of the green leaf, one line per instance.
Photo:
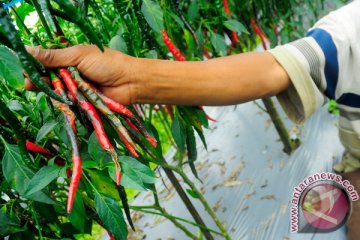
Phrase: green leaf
(153, 15)
(151, 54)
(41, 101)
(103, 183)
(192, 193)
(202, 117)
(42, 178)
(202, 137)
(236, 26)
(23, 10)
(18, 175)
(135, 174)
(218, 43)
(190, 42)
(111, 215)
(191, 150)
(118, 43)
(193, 11)
(191, 144)
(15, 105)
(89, 164)
(177, 19)
(45, 129)
(78, 215)
(9, 226)
(179, 133)
(96, 152)
(200, 37)
(10, 68)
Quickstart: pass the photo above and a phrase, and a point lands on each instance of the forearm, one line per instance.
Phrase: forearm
(221, 81)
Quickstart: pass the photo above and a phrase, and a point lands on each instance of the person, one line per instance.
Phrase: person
(302, 74)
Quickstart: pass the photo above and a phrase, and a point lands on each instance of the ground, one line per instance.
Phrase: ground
(247, 178)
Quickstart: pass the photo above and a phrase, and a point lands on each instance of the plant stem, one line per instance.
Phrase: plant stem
(184, 197)
(38, 227)
(170, 217)
(145, 209)
(205, 204)
(168, 169)
(289, 146)
(162, 119)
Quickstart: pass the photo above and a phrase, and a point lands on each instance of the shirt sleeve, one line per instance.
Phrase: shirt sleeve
(320, 65)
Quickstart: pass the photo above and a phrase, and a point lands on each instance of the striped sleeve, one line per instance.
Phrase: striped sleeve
(321, 65)
(303, 66)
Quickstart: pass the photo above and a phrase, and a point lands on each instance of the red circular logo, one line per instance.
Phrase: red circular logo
(325, 206)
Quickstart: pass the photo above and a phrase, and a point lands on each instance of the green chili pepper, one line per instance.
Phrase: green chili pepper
(191, 149)
(124, 201)
(40, 11)
(76, 17)
(99, 16)
(44, 5)
(17, 128)
(24, 57)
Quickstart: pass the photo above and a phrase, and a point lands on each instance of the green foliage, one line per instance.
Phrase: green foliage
(153, 15)
(111, 215)
(10, 68)
(135, 174)
(333, 108)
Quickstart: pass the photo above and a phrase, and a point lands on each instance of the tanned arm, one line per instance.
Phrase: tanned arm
(221, 81)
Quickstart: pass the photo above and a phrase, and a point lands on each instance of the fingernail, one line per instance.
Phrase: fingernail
(29, 48)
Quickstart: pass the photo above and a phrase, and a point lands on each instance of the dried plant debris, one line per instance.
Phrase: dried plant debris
(268, 197)
(217, 205)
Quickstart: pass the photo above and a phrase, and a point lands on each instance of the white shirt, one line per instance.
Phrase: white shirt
(326, 64)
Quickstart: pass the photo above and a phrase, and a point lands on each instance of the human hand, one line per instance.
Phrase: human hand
(110, 70)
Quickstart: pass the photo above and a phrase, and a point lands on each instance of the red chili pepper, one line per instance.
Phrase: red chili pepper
(101, 106)
(59, 162)
(132, 120)
(77, 166)
(171, 46)
(113, 105)
(68, 172)
(60, 90)
(234, 36)
(226, 7)
(206, 53)
(32, 147)
(94, 118)
(258, 32)
(110, 235)
(132, 125)
(69, 119)
(88, 108)
(169, 110)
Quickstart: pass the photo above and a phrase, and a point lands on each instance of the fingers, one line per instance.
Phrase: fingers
(30, 86)
(59, 57)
